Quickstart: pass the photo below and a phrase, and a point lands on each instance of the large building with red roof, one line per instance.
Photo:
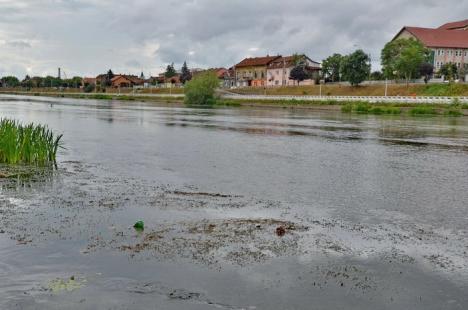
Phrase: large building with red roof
(449, 42)
(253, 71)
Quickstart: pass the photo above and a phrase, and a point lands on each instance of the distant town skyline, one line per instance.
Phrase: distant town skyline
(87, 37)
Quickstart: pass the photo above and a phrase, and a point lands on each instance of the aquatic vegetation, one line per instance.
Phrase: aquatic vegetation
(423, 110)
(347, 108)
(65, 285)
(367, 108)
(453, 112)
(27, 144)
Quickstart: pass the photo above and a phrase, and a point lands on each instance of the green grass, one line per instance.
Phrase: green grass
(453, 112)
(449, 89)
(423, 110)
(367, 108)
(27, 144)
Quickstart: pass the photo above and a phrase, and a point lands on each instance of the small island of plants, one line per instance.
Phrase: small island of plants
(29, 144)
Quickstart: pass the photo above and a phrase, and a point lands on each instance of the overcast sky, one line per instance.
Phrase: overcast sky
(87, 37)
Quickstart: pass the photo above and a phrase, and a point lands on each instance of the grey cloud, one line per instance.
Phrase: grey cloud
(88, 36)
(19, 44)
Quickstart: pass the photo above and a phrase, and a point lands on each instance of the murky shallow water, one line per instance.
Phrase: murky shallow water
(374, 210)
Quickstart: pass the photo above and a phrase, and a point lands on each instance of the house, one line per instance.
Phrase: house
(448, 43)
(229, 78)
(253, 71)
(123, 81)
(279, 70)
(89, 81)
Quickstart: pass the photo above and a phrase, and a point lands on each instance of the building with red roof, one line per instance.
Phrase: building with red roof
(449, 42)
(253, 71)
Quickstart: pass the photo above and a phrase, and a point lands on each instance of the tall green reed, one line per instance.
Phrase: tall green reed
(27, 144)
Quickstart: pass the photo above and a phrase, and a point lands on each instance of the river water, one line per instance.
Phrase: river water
(243, 209)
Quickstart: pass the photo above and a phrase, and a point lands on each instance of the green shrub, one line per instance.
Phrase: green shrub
(200, 90)
(89, 88)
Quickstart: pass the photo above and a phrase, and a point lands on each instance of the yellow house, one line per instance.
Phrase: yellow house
(253, 71)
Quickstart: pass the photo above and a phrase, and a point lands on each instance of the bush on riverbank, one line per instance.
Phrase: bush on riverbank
(200, 90)
(27, 144)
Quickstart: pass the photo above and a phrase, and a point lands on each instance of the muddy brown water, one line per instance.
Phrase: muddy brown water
(372, 210)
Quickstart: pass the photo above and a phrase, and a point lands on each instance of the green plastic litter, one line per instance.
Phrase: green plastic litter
(140, 225)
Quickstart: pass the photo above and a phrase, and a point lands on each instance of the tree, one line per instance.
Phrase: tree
(27, 82)
(426, 70)
(299, 74)
(449, 71)
(201, 89)
(170, 71)
(355, 67)
(377, 76)
(331, 67)
(10, 81)
(403, 58)
(109, 77)
(185, 75)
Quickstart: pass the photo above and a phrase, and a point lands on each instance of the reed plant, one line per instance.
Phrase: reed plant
(27, 144)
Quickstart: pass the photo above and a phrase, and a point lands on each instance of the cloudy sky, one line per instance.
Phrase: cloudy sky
(87, 37)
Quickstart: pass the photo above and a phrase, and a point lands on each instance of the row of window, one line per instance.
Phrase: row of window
(439, 64)
(457, 53)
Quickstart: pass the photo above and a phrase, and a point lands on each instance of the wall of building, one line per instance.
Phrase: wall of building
(449, 55)
(246, 75)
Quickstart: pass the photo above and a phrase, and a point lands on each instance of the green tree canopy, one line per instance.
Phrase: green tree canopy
(403, 58)
(426, 70)
(185, 75)
(449, 71)
(170, 71)
(201, 89)
(331, 67)
(10, 81)
(109, 77)
(299, 74)
(355, 68)
(377, 76)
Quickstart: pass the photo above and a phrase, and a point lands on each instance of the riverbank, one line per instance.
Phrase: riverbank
(450, 90)
(455, 109)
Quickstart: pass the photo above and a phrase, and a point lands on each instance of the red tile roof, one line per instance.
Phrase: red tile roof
(455, 25)
(257, 61)
(439, 37)
(286, 61)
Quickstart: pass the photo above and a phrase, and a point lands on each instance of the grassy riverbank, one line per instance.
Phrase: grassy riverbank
(455, 109)
(364, 90)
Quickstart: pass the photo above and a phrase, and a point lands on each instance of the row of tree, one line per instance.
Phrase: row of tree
(184, 76)
(401, 59)
(354, 68)
(37, 81)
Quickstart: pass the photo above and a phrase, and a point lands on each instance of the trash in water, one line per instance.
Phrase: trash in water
(139, 226)
(280, 231)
